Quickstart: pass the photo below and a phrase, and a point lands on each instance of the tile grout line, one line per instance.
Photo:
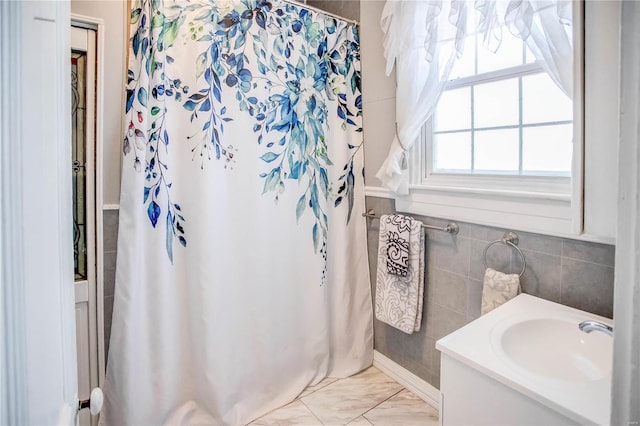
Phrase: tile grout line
(562, 255)
(402, 388)
(381, 402)
(316, 390)
(590, 262)
(311, 411)
(562, 277)
(454, 273)
(521, 248)
(433, 302)
(299, 398)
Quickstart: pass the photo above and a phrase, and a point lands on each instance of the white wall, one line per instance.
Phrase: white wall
(113, 12)
(602, 69)
(378, 91)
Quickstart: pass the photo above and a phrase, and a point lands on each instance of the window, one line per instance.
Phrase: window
(499, 148)
(501, 114)
(526, 179)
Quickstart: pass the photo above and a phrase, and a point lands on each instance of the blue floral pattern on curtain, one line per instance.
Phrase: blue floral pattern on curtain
(288, 85)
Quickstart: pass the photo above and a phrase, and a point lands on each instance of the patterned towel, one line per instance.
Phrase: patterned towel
(399, 299)
(498, 288)
(398, 234)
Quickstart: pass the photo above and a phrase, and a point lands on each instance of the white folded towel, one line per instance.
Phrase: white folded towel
(399, 298)
(498, 288)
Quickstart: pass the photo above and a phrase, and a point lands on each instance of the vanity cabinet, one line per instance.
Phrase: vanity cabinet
(470, 397)
(526, 362)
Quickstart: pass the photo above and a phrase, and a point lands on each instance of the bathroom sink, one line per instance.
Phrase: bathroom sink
(532, 360)
(554, 347)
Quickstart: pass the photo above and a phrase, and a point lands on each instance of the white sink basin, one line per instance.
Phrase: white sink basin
(555, 348)
(534, 348)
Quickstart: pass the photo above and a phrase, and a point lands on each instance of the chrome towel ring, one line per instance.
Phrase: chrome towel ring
(511, 239)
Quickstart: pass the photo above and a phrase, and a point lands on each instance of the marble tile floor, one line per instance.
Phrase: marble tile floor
(369, 398)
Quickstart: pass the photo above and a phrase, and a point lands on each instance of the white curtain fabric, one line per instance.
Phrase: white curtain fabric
(424, 38)
(242, 266)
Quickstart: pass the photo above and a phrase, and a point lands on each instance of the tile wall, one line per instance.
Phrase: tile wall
(571, 272)
(110, 234)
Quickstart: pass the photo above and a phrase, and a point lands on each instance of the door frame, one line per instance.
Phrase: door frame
(13, 381)
(626, 358)
(99, 25)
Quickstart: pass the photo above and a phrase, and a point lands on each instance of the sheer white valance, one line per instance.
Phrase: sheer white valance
(424, 38)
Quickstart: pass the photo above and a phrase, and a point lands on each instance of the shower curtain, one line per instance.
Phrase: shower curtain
(242, 268)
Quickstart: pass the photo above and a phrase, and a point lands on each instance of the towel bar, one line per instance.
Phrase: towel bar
(451, 228)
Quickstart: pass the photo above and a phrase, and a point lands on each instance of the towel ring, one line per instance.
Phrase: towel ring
(511, 239)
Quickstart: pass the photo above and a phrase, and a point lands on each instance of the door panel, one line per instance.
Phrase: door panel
(37, 34)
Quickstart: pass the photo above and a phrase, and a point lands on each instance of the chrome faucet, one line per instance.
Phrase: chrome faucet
(591, 325)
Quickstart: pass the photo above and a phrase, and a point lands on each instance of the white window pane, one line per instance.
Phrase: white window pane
(543, 101)
(452, 151)
(547, 148)
(496, 150)
(496, 103)
(509, 53)
(454, 110)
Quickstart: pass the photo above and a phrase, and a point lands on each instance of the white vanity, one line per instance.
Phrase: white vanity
(526, 363)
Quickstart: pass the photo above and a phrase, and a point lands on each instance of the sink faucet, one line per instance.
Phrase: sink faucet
(591, 325)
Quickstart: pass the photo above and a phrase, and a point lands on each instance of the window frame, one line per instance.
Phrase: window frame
(519, 71)
(541, 204)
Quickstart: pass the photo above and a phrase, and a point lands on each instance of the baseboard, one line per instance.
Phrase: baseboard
(415, 384)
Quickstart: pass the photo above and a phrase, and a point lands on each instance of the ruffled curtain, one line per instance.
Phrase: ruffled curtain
(424, 38)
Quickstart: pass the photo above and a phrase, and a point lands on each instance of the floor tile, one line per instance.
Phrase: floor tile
(310, 389)
(347, 399)
(403, 409)
(295, 413)
(360, 421)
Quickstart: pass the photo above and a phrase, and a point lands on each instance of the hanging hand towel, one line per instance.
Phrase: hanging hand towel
(398, 236)
(398, 298)
(498, 288)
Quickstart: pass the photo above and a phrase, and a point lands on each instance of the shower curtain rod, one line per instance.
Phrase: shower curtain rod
(324, 12)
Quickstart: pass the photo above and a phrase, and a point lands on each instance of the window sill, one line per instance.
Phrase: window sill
(493, 193)
(542, 213)
(533, 214)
